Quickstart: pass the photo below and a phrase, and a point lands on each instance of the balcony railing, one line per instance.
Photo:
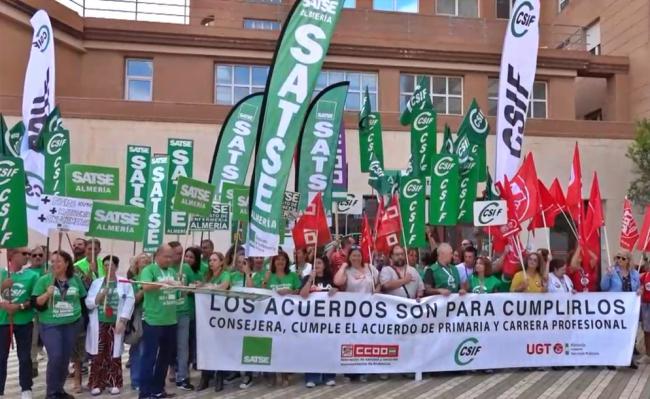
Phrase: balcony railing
(170, 11)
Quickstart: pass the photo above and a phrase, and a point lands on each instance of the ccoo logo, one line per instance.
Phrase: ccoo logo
(521, 19)
(443, 166)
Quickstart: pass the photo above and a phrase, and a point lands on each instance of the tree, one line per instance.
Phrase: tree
(639, 153)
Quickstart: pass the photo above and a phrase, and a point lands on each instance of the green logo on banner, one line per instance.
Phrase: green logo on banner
(92, 182)
(193, 196)
(156, 203)
(237, 195)
(138, 164)
(443, 205)
(117, 222)
(412, 203)
(181, 161)
(423, 141)
(13, 208)
(257, 350)
(371, 145)
(219, 219)
(54, 141)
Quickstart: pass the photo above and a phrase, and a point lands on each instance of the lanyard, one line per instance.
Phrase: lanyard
(451, 280)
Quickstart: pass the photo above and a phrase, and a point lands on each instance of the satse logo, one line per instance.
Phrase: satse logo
(522, 18)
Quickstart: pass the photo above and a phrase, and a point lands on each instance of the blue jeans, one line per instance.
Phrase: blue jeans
(135, 357)
(157, 355)
(182, 347)
(23, 334)
(59, 341)
(317, 378)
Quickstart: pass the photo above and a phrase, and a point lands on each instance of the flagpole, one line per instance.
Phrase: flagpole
(234, 248)
(609, 255)
(187, 240)
(107, 280)
(401, 223)
(521, 256)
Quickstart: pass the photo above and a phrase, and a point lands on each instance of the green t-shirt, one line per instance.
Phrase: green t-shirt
(160, 305)
(61, 310)
(84, 266)
(290, 281)
(223, 277)
(489, 285)
(185, 301)
(237, 279)
(504, 283)
(21, 291)
(38, 270)
(421, 269)
(112, 300)
(438, 276)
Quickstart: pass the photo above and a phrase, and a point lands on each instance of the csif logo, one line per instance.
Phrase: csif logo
(522, 19)
(8, 170)
(412, 188)
(490, 212)
(348, 204)
(56, 144)
(478, 121)
(443, 166)
(467, 351)
(375, 167)
(423, 120)
(42, 38)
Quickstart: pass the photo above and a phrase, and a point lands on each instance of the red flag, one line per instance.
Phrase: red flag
(311, 228)
(380, 212)
(512, 262)
(513, 226)
(558, 195)
(548, 209)
(574, 189)
(390, 227)
(643, 244)
(594, 219)
(629, 229)
(524, 190)
(366, 239)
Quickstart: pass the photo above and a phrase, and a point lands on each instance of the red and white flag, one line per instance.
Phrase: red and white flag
(643, 244)
(629, 229)
(548, 209)
(524, 189)
(574, 189)
(558, 195)
(366, 240)
(390, 227)
(311, 227)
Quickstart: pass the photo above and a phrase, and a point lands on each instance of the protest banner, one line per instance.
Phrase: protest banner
(138, 164)
(92, 182)
(156, 203)
(219, 219)
(181, 161)
(13, 207)
(490, 213)
(193, 196)
(364, 333)
(290, 205)
(65, 213)
(116, 222)
(351, 205)
(292, 78)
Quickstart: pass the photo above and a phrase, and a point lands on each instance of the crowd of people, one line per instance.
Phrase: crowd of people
(82, 308)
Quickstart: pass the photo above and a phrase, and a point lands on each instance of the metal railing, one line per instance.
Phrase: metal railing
(170, 11)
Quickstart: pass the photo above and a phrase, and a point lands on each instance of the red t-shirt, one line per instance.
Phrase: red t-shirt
(645, 283)
(585, 280)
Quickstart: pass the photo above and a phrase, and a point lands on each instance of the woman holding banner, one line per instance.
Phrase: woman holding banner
(482, 281)
(529, 281)
(216, 277)
(59, 298)
(195, 275)
(110, 304)
(319, 280)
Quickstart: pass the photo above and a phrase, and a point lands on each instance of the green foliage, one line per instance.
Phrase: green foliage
(639, 153)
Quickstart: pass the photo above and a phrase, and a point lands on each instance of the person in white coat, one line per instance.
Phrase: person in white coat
(110, 304)
(558, 281)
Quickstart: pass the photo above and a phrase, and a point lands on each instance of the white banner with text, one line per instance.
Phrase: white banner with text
(363, 333)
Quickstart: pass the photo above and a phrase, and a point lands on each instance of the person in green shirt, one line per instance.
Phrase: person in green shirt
(91, 266)
(442, 277)
(207, 249)
(111, 304)
(280, 278)
(159, 282)
(38, 262)
(16, 313)
(241, 274)
(59, 299)
(482, 281)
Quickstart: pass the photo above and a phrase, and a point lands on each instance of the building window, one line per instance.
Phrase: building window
(138, 81)
(504, 8)
(358, 82)
(350, 4)
(261, 24)
(396, 5)
(596, 115)
(538, 107)
(234, 82)
(266, 1)
(457, 8)
(592, 38)
(562, 4)
(446, 92)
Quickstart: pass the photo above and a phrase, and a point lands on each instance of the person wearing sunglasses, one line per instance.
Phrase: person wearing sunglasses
(37, 264)
(38, 260)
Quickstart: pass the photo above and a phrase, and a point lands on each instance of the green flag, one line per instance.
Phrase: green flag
(117, 222)
(237, 196)
(443, 204)
(419, 101)
(475, 127)
(490, 194)
(234, 148)
(366, 109)
(193, 196)
(370, 142)
(11, 140)
(318, 144)
(412, 201)
(3, 131)
(138, 165)
(377, 178)
(55, 144)
(155, 207)
(181, 161)
(296, 65)
(13, 207)
(447, 142)
(423, 140)
(92, 182)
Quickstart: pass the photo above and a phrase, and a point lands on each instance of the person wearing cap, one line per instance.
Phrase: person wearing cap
(110, 304)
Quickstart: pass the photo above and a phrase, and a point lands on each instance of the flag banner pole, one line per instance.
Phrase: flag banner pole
(107, 279)
(336, 222)
(187, 241)
(573, 230)
(69, 242)
(521, 256)
(134, 248)
(346, 224)
(401, 223)
(47, 254)
(234, 248)
(609, 255)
